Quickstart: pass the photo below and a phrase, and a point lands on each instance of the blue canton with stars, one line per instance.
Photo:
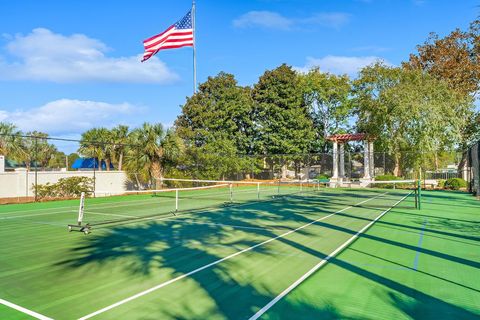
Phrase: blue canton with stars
(186, 22)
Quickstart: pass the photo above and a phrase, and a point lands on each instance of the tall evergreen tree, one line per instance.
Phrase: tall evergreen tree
(282, 120)
(221, 109)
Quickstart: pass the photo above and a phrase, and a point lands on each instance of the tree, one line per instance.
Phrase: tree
(221, 109)
(71, 159)
(36, 150)
(120, 137)
(282, 120)
(58, 160)
(10, 140)
(217, 160)
(98, 143)
(154, 147)
(454, 58)
(409, 111)
(327, 97)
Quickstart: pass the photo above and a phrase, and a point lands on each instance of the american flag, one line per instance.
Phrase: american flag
(178, 35)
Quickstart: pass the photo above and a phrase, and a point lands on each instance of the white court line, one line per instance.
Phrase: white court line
(320, 264)
(161, 285)
(24, 310)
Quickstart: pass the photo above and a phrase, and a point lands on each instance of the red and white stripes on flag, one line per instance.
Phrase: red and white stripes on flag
(176, 36)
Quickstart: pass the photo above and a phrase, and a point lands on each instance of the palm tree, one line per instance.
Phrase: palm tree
(36, 149)
(94, 143)
(10, 140)
(156, 147)
(120, 136)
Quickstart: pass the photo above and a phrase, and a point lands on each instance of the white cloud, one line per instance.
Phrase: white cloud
(70, 117)
(266, 19)
(329, 19)
(339, 64)
(44, 55)
(274, 20)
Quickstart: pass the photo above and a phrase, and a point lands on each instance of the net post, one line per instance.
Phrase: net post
(258, 190)
(231, 192)
(81, 209)
(278, 186)
(176, 200)
(416, 196)
(419, 193)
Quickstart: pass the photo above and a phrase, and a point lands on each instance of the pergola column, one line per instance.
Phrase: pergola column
(341, 169)
(366, 160)
(335, 160)
(371, 159)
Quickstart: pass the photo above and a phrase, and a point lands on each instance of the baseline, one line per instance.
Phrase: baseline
(24, 310)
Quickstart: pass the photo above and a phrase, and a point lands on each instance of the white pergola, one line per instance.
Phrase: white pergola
(339, 140)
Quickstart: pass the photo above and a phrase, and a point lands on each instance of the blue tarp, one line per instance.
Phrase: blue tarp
(89, 163)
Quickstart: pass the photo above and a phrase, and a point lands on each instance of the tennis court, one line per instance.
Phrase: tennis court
(250, 253)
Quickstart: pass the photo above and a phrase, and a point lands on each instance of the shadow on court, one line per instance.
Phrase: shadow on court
(178, 247)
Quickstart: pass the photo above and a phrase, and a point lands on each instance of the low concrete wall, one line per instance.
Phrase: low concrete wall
(20, 183)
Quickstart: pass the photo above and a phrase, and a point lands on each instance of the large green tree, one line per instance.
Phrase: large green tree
(409, 111)
(221, 109)
(327, 97)
(283, 123)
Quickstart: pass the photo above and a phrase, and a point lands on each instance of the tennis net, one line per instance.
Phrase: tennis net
(181, 195)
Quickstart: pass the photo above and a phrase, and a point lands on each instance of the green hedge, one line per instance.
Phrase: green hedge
(455, 184)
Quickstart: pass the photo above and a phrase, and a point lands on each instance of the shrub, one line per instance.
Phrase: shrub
(441, 183)
(387, 177)
(455, 184)
(322, 177)
(71, 187)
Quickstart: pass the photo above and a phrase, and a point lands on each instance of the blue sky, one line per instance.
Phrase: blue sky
(67, 66)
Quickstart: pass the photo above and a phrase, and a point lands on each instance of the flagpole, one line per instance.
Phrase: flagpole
(194, 50)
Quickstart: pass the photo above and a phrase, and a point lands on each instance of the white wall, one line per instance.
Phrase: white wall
(19, 183)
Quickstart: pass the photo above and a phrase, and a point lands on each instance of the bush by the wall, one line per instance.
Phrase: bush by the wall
(455, 184)
(322, 177)
(387, 177)
(441, 183)
(71, 187)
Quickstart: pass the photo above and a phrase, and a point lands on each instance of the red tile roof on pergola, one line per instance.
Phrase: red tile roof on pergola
(347, 137)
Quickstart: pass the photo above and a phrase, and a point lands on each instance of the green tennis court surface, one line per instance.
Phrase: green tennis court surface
(231, 262)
